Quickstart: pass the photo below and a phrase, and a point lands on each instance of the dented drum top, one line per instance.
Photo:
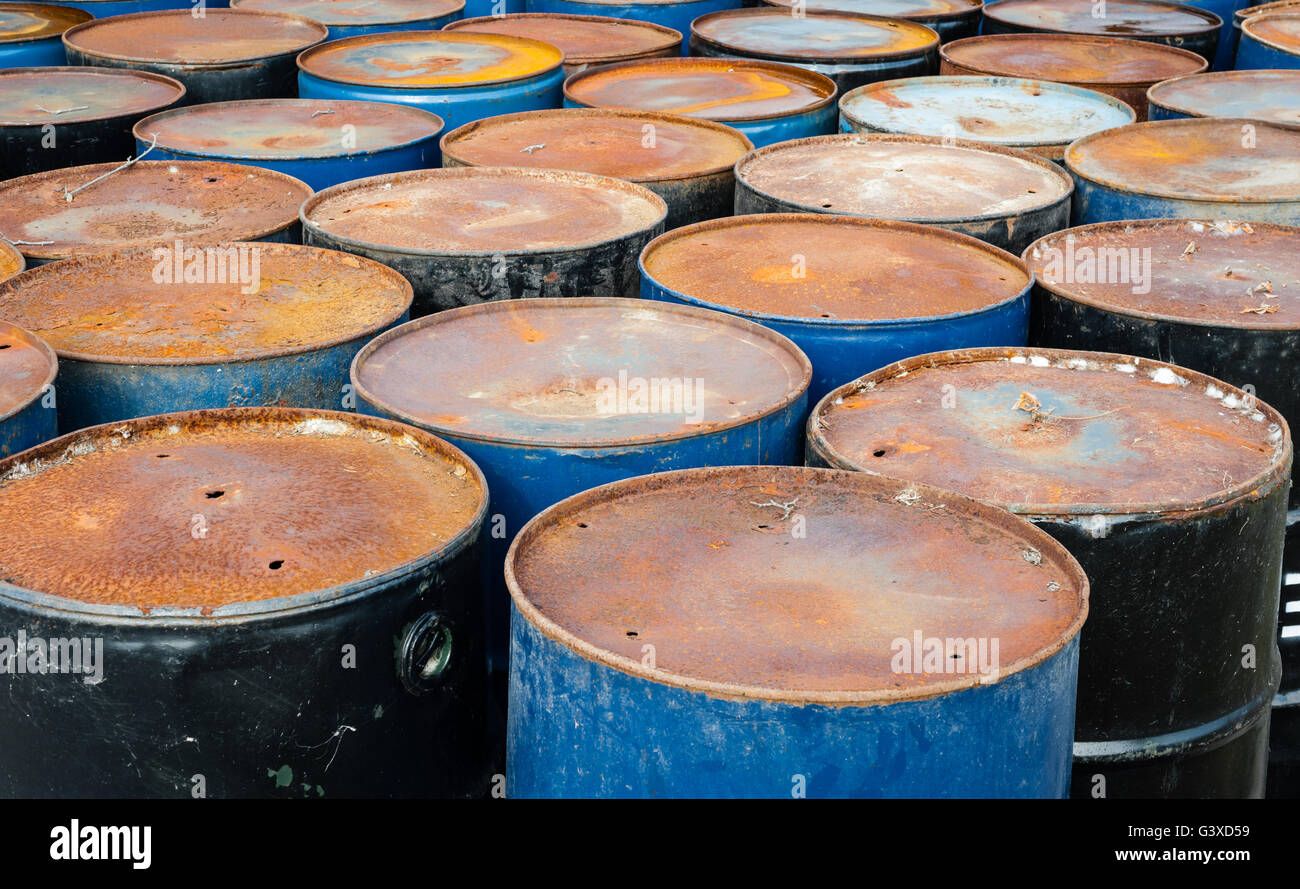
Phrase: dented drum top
(23, 22)
(61, 96)
(1260, 95)
(349, 15)
(584, 39)
(817, 37)
(430, 60)
(296, 503)
(1140, 19)
(221, 37)
(27, 367)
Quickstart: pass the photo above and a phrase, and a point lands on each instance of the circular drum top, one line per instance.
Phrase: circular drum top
(27, 366)
(894, 9)
(425, 59)
(288, 501)
(917, 178)
(1201, 158)
(11, 261)
(1221, 273)
(355, 13)
(273, 129)
(484, 209)
(1071, 58)
(1250, 11)
(1262, 95)
(149, 203)
(20, 22)
(847, 268)
(221, 36)
(582, 38)
(1122, 18)
(78, 94)
(1048, 432)
(597, 140)
(775, 33)
(573, 371)
(1280, 30)
(716, 89)
(258, 301)
(703, 565)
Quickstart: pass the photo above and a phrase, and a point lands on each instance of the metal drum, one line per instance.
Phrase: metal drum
(950, 19)
(1152, 21)
(225, 55)
(1125, 69)
(1242, 14)
(675, 14)
(179, 328)
(1006, 197)
(596, 390)
(686, 161)
(282, 603)
(27, 370)
(11, 261)
(1209, 168)
(585, 40)
(474, 234)
(66, 117)
(1170, 489)
(352, 18)
(1225, 51)
(102, 9)
(1284, 727)
(31, 34)
(783, 632)
(321, 143)
(850, 49)
(1270, 40)
(1037, 116)
(767, 101)
(460, 77)
(854, 294)
(1273, 96)
(149, 204)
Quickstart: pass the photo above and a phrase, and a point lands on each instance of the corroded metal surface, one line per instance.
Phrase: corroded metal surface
(35, 21)
(61, 96)
(301, 299)
(221, 36)
(146, 204)
(712, 88)
(837, 267)
(1262, 95)
(423, 59)
(357, 12)
(1118, 18)
(1056, 433)
(742, 610)
(27, 367)
(584, 39)
(291, 501)
(1279, 6)
(566, 357)
(894, 9)
(1279, 30)
(11, 261)
(822, 36)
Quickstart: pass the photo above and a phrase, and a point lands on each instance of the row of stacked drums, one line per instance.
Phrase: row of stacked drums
(740, 608)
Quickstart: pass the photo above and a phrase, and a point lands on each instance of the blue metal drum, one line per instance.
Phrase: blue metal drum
(352, 18)
(1270, 40)
(1246, 12)
(461, 77)
(950, 19)
(1210, 168)
(31, 34)
(1225, 51)
(789, 632)
(102, 9)
(321, 143)
(1259, 95)
(482, 8)
(675, 14)
(27, 370)
(854, 294)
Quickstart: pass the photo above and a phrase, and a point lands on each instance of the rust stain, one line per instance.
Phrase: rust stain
(35, 21)
(94, 92)
(818, 36)
(1279, 29)
(430, 59)
(356, 12)
(584, 39)
(11, 261)
(221, 35)
(1123, 18)
(26, 366)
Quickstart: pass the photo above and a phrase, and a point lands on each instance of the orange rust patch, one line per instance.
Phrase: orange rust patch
(430, 59)
(357, 12)
(36, 21)
(584, 39)
(1276, 28)
(1075, 59)
(25, 367)
(221, 35)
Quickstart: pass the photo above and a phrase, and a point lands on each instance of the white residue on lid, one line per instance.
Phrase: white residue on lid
(321, 426)
(1166, 377)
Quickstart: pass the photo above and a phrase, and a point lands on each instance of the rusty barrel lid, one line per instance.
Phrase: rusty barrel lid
(1278, 30)
(229, 512)
(1072, 58)
(703, 565)
(485, 210)
(1055, 433)
(11, 261)
(712, 88)
(765, 32)
(23, 22)
(930, 10)
(220, 38)
(1261, 95)
(1118, 18)
(1280, 5)
(584, 39)
(849, 268)
(913, 178)
(357, 13)
(276, 129)
(148, 203)
(27, 366)
(1214, 273)
(599, 140)
(37, 96)
(215, 304)
(574, 369)
(430, 59)
(1201, 159)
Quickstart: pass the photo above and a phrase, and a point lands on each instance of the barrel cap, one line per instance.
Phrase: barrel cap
(356, 13)
(1201, 159)
(822, 37)
(11, 261)
(214, 304)
(1123, 18)
(584, 39)
(229, 512)
(1261, 95)
(914, 178)
(484, 210)
(27, 366)
(560, 384)
(65, 95)
(1054, 433)
(708, 567)
(731, 90)
(1072, 58)
(930, 10)
(221, 37)
(430, 59)
(23, 22)
(280, 129)
(849, 268)
(1279, 30)
(605, 141)
(146, 204)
